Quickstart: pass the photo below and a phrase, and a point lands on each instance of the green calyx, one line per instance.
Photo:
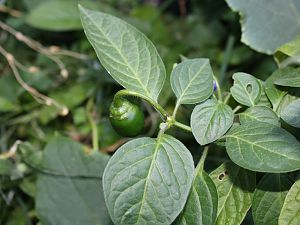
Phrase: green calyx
(121, 109)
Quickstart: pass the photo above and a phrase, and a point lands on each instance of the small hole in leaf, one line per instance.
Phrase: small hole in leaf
(222, 175)
(249, 88)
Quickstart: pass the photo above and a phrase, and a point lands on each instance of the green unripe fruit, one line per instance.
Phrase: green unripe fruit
(126, 118)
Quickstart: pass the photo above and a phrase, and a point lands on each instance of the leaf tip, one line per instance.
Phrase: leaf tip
(81, 8)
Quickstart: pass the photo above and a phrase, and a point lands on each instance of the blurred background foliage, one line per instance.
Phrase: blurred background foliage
(70, 92)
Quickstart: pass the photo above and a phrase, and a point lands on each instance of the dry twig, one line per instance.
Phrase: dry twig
(50, 52)
(11, 152)
(43, 99)
(12, 12)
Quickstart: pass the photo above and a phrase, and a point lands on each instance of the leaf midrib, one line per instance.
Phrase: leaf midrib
(214, 108)
(258, 118)
(158, 143)
(259, 146)
(248, 94)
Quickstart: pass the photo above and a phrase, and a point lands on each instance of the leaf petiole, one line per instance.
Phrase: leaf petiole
(219, 92)
(182, 126)
(237, 108)
(176, 109)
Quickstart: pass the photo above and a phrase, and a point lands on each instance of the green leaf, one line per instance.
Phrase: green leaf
(274, 94)
(263, 147)
(58, 15)
(290, 212)
(210, 121)
(8, 93)
(202, 204)
(16, 216)
(73, 194)
(6, 167)
(264, 30)
(268, 198)
(290, 79)
(126, 53)
(6, 105)
(192, 81)
(147, 181)
(264, 101)
(235, 186)
(290, 49)
(259, 114)
(291, 113)
(246, 89)
(285, 101)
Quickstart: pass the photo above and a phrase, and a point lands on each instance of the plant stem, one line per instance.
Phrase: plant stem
(202, 160)
(175, 109)
(182, 126)
(219, 92)
(95, 140)
(228, 51)
(157, 106)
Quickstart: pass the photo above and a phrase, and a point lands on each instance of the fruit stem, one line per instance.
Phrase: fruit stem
(157, 106)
